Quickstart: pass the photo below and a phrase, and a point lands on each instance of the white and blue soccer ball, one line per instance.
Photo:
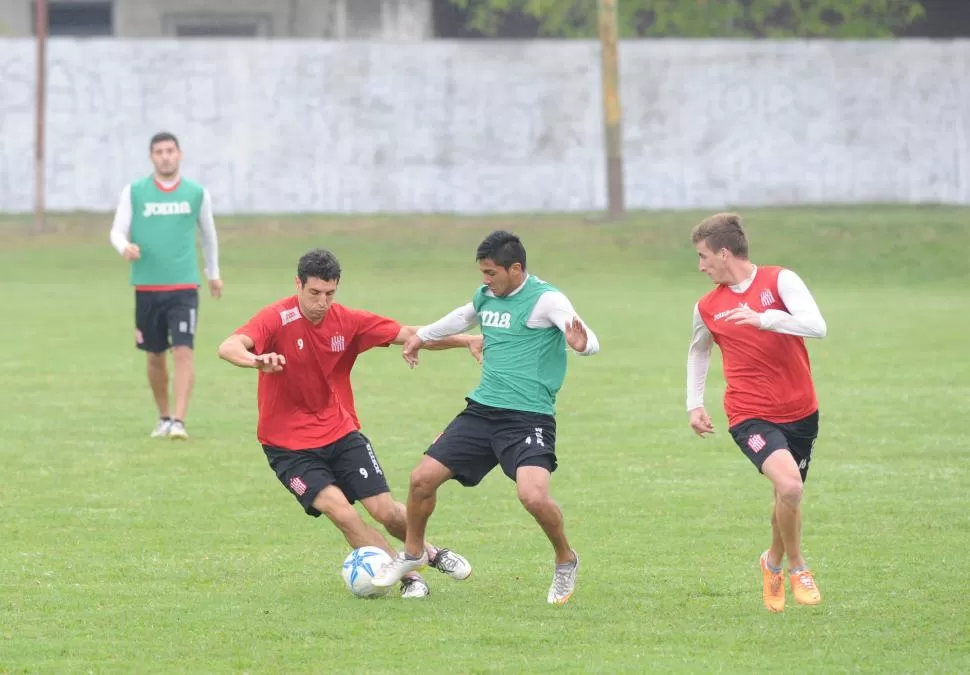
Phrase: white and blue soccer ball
(359, 569)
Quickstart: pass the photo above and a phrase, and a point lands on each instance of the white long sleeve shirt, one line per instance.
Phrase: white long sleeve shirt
(121, 228)
(803, 318)
(551, 309)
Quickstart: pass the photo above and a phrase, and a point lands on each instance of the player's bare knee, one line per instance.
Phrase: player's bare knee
(181, 354)
(339, 511)
(790, 491)
(532, 497)
(422, 483)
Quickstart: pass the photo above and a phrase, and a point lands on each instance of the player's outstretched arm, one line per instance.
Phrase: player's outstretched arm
(461, 341)
(236, 350)
(447, 327)
(473, 343)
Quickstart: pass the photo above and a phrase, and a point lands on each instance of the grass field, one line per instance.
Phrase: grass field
(125, 555)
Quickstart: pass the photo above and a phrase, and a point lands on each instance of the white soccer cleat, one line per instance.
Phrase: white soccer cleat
(413, 586)
(395, 569)
(451, 564)
(162, 427)
(563, 582)
(177, 431)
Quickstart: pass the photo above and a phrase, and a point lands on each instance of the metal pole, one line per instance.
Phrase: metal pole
(39, 116)
(608, 30)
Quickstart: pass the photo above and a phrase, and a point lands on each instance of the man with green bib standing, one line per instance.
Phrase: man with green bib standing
(155, 230)
(509, 419)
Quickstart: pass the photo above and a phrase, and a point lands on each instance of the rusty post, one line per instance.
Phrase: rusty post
(40, 115)
(608, 33)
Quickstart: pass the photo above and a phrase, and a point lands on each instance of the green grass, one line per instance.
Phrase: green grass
(121, 554)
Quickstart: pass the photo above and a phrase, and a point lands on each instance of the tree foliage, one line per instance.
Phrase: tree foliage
(701, 18)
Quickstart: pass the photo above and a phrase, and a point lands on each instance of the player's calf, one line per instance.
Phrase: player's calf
(391, 514)
(332, 503)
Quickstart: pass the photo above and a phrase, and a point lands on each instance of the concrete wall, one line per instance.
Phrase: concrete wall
(400, 20)
(494, 127)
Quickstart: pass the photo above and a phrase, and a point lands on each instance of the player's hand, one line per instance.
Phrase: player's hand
(576, 336)
(744, 316)
(410, 350)
(215, 287)
(477, 347)
(269, 363)
(700, 422)
(131, 252)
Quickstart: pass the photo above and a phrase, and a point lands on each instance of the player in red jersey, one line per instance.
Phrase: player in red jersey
(759, 317)
(305, 347)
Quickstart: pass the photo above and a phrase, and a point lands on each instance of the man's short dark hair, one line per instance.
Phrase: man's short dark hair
(502, 248)
(161, 137)
(722, 230)
(318, 264)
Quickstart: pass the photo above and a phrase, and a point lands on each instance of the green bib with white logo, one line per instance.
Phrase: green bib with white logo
(523, 368)
(164, 225)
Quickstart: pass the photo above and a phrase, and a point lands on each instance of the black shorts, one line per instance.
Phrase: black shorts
(349, 463)
(481, 437)
(758, 439)
(165, 318)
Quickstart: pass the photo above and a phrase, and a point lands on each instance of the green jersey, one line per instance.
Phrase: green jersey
(163, 225)
(523, 368)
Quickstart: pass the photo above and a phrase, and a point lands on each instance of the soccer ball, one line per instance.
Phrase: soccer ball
(360, 566)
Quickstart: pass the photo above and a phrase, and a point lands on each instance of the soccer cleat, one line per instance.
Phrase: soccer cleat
(397, 568)
(773, 591)
(451, 564)
(413, 586)
(804, 588)
(177, 431)
(162, 427)
(563, 582)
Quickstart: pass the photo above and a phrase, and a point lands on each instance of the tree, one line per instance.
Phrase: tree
(701, 18)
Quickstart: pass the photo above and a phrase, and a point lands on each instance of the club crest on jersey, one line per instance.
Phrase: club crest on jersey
(337, 343)
(167, 209)
(767, 299)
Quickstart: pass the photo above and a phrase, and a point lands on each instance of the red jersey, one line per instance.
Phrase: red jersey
(768, 374)
(310, 403)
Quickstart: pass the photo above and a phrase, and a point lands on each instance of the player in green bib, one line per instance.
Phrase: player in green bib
(509, 418)
(155, 228)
